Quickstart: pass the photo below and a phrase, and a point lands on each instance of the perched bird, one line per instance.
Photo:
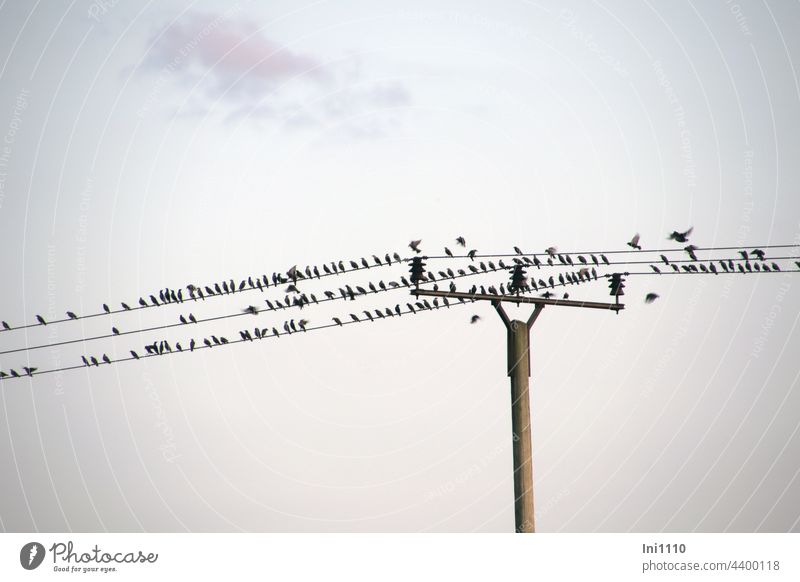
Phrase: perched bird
(665, 259)
(71, 315)
(41, 320)
(302, 324)
(250, 309)
(6, 326)
(337, 321)
(472, 254)
(125, 306)
(106, 359)
(475, 319)
(656, 269)
(135, 355)
(106, 308)
(650, 297)
(634, 242)
(775, 267)
(115, 331)
(547, 295)
(192, 343)
(448, 252)
(29, 371)
(414, 245)
(551, 251)
(94, 361)
(192, 318)
(462, 241)
(691, 249)
(759, 253)
(85, 361)
(680, 237)
(517, 250)
(292, 273)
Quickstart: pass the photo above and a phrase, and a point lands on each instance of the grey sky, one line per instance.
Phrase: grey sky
(152, 145)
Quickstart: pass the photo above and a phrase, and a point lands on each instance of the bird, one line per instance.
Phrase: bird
(605, 259)
(6, 326)
(656, 269)
(250, 309)
(517, 250)
(414, 245)
(292, 273)
(759, 253)
(775, 267)
(115, 331)
(192, 318)
(29, 371)
(474, 319)
(461, 240)
(125, 306)
(680, 237)
(337, 321)
(106, 359)
(634, 242)
(41, 320)
(691, 249)
(472, 254)
(547, 295)
(551, 251)
(135, 355)
(85, 361)
(448, 252)
(302, 324)
(192, 343)
(650, 297)
(106, 308)
(71, 315)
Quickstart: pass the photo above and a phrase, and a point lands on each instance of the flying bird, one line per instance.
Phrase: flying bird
(475, 319)
(250, 309)
(462, 241)
(414, 245)
(634, 242)
(680, 237)
(650, 297)
(551, 251)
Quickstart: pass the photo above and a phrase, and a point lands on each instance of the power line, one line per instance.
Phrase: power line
(262, 279)
(609, 252)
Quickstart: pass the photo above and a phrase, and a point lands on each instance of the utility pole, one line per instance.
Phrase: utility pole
(519, 370)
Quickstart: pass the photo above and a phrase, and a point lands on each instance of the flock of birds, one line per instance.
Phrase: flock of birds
(581, 268)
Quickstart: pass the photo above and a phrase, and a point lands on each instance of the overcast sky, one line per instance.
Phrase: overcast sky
(158, 144)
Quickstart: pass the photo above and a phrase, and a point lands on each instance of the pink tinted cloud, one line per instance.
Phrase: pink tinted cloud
(231, 51)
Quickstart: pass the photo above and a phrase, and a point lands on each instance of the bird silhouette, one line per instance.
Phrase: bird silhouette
(634, 242)
(85, 361)
(474, 319)
(461, 240)
(115, 331)
(251, 309)
(29, 371)
(5, 325)
(337, 321)
(94, 361)
(71, 315)
(135, 355)
(690, 249)
(414, 245)
(759, 253)
(650, 297)
(41, 320)
(448, 252)
(125, 306)
(680, 237)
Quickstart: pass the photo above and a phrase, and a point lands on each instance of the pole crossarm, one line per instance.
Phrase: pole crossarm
(518, 299)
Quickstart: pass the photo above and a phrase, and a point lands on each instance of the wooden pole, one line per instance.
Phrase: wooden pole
(519, 370)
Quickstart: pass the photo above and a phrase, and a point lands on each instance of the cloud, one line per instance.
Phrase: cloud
(234, 69)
